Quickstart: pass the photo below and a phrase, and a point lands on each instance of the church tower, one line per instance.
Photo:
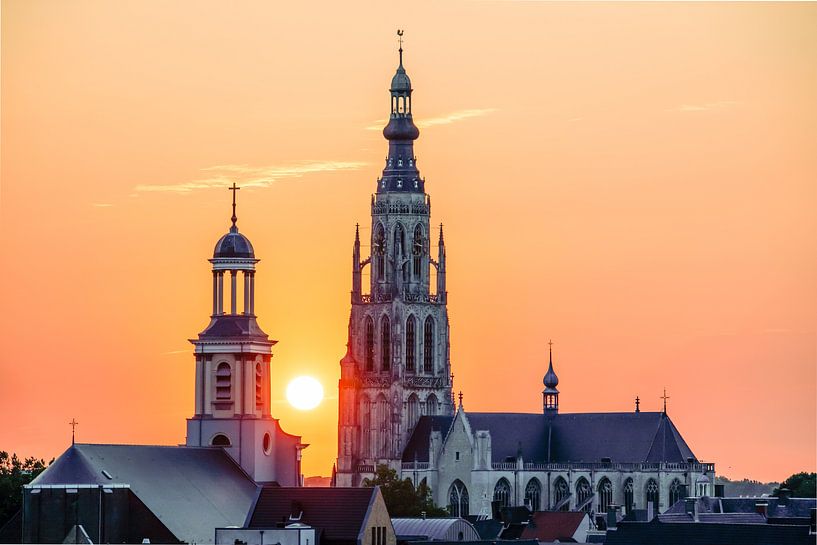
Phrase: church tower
(397, 364)
(233, 373)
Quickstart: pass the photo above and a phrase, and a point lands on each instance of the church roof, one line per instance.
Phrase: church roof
(579, 437)
(192, 490)
(434, 529)
(227, 326)
(553, 525)
(338, 512)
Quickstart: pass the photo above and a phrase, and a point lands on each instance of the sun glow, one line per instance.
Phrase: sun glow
(304, 393)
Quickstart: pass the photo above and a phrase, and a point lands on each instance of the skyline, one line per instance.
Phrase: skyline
(658, 226)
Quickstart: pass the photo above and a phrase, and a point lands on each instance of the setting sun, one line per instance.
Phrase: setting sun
(304, 393)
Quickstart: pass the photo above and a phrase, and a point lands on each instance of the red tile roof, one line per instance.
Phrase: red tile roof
(552, 525)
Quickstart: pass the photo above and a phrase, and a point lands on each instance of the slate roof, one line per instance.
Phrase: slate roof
(191, 490)
(553, 525)
(339, 513)
(228, 326)
(580, 437)
(659, 533)
(776, 509)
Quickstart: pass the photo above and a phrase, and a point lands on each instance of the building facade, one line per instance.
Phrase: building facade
(396, 368)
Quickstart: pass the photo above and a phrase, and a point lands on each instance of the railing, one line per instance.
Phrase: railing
(609, 466)
(408, 466)
(365, 468)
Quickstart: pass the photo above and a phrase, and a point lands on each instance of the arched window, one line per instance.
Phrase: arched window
(458, 499)
(400, 249)
(220, 440)
(417, 251)
(428, 346)
(381, 444)
(411, 347)
(605, 494)
(224, 381)
(365, 426)
(533, 494)
(560, 493)
(379, 251)
(651, 493)
(629, 498)
(385, 344)
(259, 387)
(413, 411)
(675, 492)
(431, 405)
(502, 492)
(369, 344)
(583, 494)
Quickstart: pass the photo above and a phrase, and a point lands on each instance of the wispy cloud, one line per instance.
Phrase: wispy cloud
(101, 205)
(705, 107)
(446, 119)
(250, 176)
(185, 351)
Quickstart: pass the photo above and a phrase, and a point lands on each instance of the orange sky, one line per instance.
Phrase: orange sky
(636, 181)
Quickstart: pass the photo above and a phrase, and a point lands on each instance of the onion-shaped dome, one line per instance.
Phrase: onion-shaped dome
(234, 244)
(550, 380)
(401, 128)
(400, 83)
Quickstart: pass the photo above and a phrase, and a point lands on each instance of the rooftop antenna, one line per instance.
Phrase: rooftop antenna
(73, 423)
(234, 188)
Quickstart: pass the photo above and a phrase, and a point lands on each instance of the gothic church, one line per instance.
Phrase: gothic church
(395, 392)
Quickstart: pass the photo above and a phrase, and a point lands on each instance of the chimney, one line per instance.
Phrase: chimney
(691, 508)
(762, 508)
(813, 521)
(720, 491)
(783, 496)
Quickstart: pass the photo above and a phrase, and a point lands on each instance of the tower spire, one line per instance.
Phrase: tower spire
(400, 41)
(550, 395)
(234, 219)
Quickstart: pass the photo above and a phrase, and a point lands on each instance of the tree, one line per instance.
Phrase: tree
(402, 499)
(802, 485)
(14, 474)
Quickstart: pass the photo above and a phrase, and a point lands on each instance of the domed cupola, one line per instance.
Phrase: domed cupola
(234, 244)
(550, 395)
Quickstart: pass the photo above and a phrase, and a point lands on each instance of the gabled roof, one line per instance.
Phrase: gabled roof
(339, 513)
(191, 490)
(580, 437)
(553, 525)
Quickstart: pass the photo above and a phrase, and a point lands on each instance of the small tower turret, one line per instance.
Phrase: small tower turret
(441, 293)
(550, 395)
(356, 278)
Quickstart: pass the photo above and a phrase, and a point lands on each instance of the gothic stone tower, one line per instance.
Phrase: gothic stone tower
(397, 365)
(233, 375)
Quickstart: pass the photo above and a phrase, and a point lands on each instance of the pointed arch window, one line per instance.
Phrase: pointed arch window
(379, 251)
(365, 426)
(428, 346)
(458, 499)
(583, 494)
(502, 492)
(561, 493)
(605, 494)
(369, 343)
(675, 489)
(417, 250)
(385, 344)
(431, 405)
(413, 411)
(651, 494)
(533, 494)
(382, 435)
(411, 347)
(629, 498)
(224, 381)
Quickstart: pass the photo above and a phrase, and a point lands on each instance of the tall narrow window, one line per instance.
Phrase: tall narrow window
(365, 426)
(224, 379)
(502, 492)
(410, 344)
(629, 498)
(651, 495)
(428, 346)
(259, 387)
(583, 495)
(675, 492)
(382, 435)
(385, 344)
(413, 411)
(379, 251)
(417, 252)
(605, 495)
(369, 344)
(533, 494)
(458, 499)
(431, 405)
(561, 495)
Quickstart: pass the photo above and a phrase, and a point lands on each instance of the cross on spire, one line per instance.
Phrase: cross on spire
(665, 397)
(73, 423)
(460, 399)
(637, 404)
(234, 188)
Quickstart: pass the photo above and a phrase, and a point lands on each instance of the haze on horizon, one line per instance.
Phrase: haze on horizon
(635, 181)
